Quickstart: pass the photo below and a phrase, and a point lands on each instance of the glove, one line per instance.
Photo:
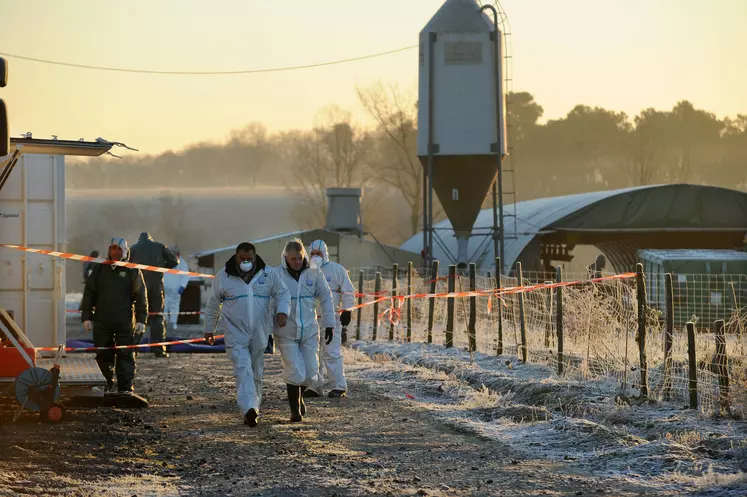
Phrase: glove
(88, 326)
(329, 333)
(139, 328)
(345, 318)
(210, 338)
(181, 290)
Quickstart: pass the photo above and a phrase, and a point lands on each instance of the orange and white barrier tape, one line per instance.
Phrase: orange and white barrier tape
(186, 313)
(495, 292)
(85, 258)
(116, 347)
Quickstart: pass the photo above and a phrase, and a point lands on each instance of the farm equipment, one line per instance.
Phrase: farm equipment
(38, 384)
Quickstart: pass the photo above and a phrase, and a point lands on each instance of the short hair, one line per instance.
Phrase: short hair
(295, 246)
(246, 247)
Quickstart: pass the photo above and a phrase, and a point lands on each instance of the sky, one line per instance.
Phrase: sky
(624, 55)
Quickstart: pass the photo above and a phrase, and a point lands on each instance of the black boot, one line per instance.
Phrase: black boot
(302, 403)
(270, 346)
(294, 400)
(251, 416)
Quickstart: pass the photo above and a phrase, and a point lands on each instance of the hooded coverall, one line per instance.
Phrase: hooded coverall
(246, 322)
(298, 341)
(343, 297)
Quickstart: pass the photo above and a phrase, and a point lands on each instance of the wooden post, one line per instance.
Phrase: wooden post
(360, 301)
(499, 306)
(668, 333)
(693, 366)
(450, 308)
(641, 338)
(559, 319)
(722, 367)
(472, 326)
(395, 284)
(432, 302)
(548, 323)
(377, 291)
(522, 320)
(409, 301)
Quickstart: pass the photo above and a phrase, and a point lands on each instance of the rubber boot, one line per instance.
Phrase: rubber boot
(294, 400)
(251, 417)
(337, 394)
(303, 404)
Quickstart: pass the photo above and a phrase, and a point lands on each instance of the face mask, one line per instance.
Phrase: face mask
(246, 266)
(316, 261)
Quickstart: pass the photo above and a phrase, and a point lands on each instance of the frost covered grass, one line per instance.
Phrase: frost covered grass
(584, 422)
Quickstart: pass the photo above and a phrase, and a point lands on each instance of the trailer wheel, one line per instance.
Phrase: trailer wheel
(56, 413)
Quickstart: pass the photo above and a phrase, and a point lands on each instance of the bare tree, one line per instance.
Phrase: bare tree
(330, 155)
(249, 148)
(395, 160)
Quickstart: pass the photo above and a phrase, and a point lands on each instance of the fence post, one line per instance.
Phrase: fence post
(559, 319)
(548, 323)
(395, 284)
(522, 320)
(450, 308)
(432, 301)
(692, 372)
(360, 301)
(499, 306)
(409, 302)
(722, 367)
(667, 388)
(641, 338)
(472, 327)
(377, 291)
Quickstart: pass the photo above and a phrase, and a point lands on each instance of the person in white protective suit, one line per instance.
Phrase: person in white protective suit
(174, 285)
(343, 297)
(298, 342)
(241, 298)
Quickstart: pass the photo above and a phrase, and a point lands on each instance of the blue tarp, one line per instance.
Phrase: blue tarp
(189, 348)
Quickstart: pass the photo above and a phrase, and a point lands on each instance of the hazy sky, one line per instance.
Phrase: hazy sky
(620, 54)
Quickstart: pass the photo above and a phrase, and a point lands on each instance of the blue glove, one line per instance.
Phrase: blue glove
(181, 290)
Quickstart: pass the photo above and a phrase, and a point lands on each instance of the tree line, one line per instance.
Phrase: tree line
(589, 149)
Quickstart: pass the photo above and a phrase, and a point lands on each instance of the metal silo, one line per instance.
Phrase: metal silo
(461, 115)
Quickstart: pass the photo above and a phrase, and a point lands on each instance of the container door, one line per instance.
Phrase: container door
(32, 207)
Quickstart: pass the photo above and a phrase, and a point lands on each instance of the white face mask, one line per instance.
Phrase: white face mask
(316, 261)
(246, 266)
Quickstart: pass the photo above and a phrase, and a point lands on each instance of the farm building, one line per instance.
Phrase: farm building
(545, 231)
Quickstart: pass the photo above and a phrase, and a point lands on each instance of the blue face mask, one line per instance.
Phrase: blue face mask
(246, 266)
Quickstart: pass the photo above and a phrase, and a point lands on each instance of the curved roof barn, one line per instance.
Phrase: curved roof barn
(617, 222)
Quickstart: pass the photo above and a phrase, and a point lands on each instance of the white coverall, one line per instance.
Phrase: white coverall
(298, 341)
(343, 297)
(246, 322)
(171, 285)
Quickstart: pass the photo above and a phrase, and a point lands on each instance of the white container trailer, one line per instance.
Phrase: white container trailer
(32, 214)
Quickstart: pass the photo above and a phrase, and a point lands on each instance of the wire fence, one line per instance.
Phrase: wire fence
(587, 330)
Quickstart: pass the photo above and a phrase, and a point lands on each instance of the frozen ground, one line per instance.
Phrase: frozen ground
(585, 425)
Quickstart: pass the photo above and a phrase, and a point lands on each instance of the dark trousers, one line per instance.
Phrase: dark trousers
(155, 304)
(121, 360)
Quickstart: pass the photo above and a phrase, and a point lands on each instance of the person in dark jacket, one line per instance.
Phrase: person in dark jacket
(152, 253)
(115, 307)
(88, 266)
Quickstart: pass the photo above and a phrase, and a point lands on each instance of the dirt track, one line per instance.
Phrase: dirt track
(191, 442)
